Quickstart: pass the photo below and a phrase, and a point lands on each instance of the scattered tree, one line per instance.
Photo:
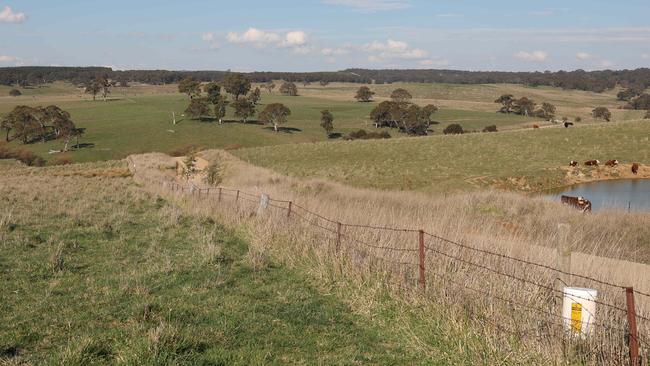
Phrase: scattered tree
(506, 101)
(220, 108)
(104, 86)
(93, 88)
(401, 96)
(631, 92)
(243, 109)
(578, 119)
(323, 82)
(326, 121)
(269, 86)
(275, 114)
(254, 96)
(364, 94)
(602, 113)
(640, 102)
(15, 93)
(524, 106)
(453, 129)
(547, 111)
(289, 88)
(213, 91)
(236, 85)
(37, 123)
(189, 86)
(198, 108)
(305, 82)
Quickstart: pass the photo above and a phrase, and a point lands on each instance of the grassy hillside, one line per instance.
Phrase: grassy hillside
(97, 271)
(447, 163)
(138, 119)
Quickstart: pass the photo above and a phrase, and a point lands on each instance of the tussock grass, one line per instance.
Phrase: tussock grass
(484, 330)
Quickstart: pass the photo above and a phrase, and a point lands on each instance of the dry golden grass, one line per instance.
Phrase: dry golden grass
(607, 246)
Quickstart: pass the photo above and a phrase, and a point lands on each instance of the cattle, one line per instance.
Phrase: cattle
(573, 163)
(580, 203)
(535, 126)
(611, 163)
(567, 124)
(592, 162)
(635, 168)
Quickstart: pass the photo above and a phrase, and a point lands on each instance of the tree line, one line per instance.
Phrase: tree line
(596, 81)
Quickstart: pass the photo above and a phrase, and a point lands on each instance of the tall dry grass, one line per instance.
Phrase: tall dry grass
(495, 303)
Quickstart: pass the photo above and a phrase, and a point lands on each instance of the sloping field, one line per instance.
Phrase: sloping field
(528, 160)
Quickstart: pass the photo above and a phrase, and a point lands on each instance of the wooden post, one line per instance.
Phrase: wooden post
(264, 203)
(563, 257)
(631, 324)
(219, 199)
(237, 197)
(289, 210)
(421, 279)
(338, 237)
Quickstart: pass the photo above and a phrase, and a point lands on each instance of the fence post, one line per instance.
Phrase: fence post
(563, 257)
(631, 324)
(219, 199)
(421, 279)
(338, 237)
(237, 197)
(289, 210)
(264, 203)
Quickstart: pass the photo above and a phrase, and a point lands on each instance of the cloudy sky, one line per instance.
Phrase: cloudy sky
(312, 35)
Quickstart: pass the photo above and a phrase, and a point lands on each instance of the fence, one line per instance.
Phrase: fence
(514, 296)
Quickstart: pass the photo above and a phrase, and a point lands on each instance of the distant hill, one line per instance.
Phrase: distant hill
(597, 81)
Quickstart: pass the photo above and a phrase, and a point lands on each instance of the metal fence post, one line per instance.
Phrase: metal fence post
(421, 279)
(631, 323)
(563, 257)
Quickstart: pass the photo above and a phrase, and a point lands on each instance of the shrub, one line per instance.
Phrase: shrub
(578, 119)
(602, 113)
(647, 115)
(363, 135)
(491, 128)
(23, 155)
(15, 93)
(453, 129)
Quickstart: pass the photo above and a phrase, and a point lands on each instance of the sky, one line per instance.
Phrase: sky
(327, 35)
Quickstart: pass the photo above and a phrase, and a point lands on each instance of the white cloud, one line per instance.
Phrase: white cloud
(606, 63)
(393, 50)
(584, 56)
(211, 40)
(535, 56)
(253, 35)
(645, 56)
(371, 5)
(295, 38)
(334, 51)
(8, 16)
(450, 15)
(5, 58)
(208, 37)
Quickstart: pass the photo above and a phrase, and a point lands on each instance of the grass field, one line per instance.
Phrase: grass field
(138, 119)
(107, 273)
(528, 160)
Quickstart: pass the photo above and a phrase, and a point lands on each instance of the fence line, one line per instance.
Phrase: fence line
(255, 198)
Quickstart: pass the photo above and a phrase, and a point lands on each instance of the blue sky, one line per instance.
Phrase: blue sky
(314, 35)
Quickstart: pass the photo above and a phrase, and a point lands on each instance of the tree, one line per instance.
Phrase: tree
(364, 94)
(326, 121)
(577, 119)
(93, 88)
(275, 114)
(323, 82)
(381, 115)
(236, 85)
(213, 174)
(524, 106)
(15, 93)
(453, 129)
(506, 101)
(220, 108)
(305, 82)
(198, 108)
(401, 96)
(631, 92)
(243, 109)
(255, 96)
(640, 102)
(289, 88)
(104, 86)
(547, 111)
(213, 91)
(22, 121)
(189, 86)
(602, 113)
(269, 86)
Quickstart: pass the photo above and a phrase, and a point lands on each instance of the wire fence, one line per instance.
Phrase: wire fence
(516, 297)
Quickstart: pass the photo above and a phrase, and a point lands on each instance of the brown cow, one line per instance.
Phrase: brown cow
(535, 126)
(580, 203)
(635, 168)
(592, 162)
(573, 163)
(611, 163)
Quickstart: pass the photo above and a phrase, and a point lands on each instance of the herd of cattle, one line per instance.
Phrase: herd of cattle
(581, 203)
